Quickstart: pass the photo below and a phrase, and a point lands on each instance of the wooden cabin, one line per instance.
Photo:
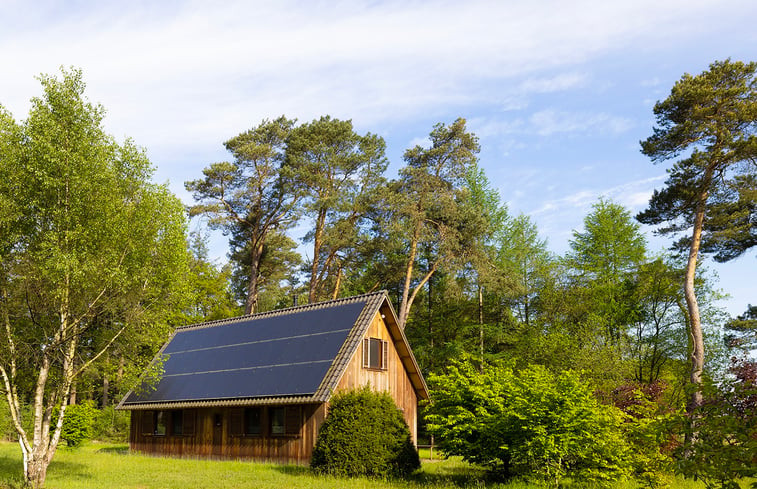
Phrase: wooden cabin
(258, 386)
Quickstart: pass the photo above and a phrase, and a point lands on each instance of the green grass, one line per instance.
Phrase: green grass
(97, 465)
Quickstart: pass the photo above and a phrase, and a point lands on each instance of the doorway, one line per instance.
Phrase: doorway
(217, 434)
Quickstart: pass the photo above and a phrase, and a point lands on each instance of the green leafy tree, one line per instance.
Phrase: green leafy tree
(659, 328)
(604, 258)
(209, 296)
(249, 198)
(525, 265)
(709, 121)
(485, 214)
(338, 172)
(90, 250)
(531, 424)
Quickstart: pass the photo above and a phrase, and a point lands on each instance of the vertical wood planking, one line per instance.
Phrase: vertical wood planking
(291, 448)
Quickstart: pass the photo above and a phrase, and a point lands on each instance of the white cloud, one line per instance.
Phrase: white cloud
(548, 122)
(557, 83)
(191, 72)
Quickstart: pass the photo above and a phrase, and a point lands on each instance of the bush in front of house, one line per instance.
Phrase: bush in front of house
(531, 423)
(364, 434)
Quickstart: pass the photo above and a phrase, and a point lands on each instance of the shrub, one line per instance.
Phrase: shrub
(720, 445)
(648, 430)
(78, 422)
(364, 434)
(111, 425)
(532, 424)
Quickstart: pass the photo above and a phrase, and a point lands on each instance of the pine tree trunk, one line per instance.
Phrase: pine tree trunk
(252, 288)
(695, 324)
(320, 224)
(404, 311)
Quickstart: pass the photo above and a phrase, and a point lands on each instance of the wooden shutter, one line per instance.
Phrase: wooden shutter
(148, 422)
(293, 420)
(236, 422)
(384, 355)
(366, 352)
(189, 422)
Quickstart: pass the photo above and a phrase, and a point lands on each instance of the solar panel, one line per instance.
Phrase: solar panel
(280, 355)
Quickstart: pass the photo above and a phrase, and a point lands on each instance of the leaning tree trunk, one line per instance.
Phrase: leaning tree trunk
(695, 323)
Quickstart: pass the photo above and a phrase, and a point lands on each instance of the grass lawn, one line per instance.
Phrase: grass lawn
(109, 466)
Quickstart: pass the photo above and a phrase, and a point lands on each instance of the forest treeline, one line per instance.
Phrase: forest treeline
(97, 267)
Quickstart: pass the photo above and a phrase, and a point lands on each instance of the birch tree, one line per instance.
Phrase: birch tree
(85, 236)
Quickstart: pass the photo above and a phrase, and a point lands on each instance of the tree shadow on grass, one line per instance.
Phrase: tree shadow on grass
(441, 473)
(297, 470)
(73, 470)
(432, 474)
(115, 450)
(10, 468)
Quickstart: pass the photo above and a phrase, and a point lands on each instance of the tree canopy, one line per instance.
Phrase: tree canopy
(91, 248)
(710, 121)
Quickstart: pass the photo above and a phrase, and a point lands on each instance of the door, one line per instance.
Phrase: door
(217, 434)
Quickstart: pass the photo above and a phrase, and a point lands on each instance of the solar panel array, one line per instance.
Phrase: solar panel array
(267, 356)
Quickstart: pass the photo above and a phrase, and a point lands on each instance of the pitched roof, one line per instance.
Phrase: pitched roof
(293, 355)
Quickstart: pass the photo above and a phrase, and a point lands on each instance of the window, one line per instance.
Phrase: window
(183, 422)
(252, 419)
(177, 423)
(285, 420)
(160, 423)
(374, 353)
(148, 423)
(277, 420)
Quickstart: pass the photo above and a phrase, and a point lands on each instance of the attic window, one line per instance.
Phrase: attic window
(374, 353)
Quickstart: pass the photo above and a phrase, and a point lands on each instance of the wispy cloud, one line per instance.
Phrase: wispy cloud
(190, 72)
(632, 194)
(557, 83)
(548, 122)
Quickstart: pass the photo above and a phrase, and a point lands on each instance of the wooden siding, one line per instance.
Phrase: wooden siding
(393, 380)
(211, 441)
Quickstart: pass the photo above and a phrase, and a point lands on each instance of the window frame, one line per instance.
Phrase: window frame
(383, 353)
(246, 416)
(272, 418)
(291, 418)
(160, 422)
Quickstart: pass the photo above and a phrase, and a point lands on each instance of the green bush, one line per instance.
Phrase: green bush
(78, 422)
(531, 424)
(364, 434)
(720, 442)
(111, 425)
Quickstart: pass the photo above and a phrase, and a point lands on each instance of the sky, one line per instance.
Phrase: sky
(559, 92)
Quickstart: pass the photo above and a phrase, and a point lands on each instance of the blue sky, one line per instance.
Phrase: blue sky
(560, 93)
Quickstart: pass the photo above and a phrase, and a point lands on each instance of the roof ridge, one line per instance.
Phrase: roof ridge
(283, 312)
